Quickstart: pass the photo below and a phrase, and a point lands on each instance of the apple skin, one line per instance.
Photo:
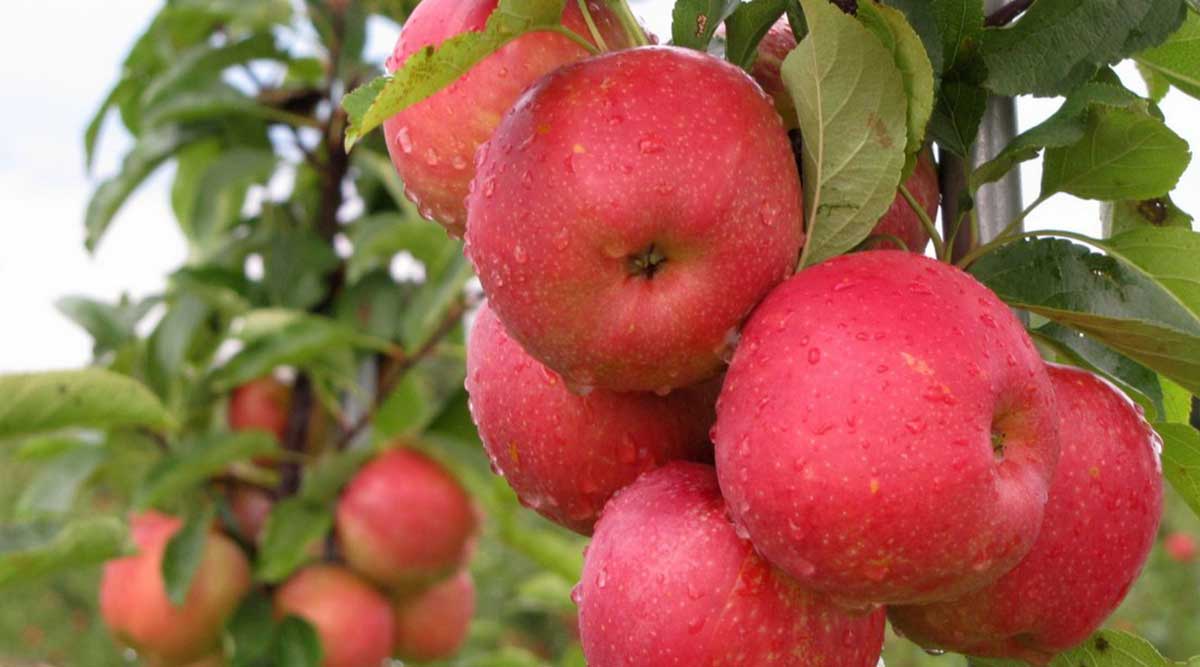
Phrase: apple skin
(353, 620)
(1181, 547)
(609, 163)
(854, 431)
(768, 63)
(1101, 520)
(134, 603)
(433, 624)
(404, 522)
(668, 582)
(432, 143)
(566, 454)
(250, 508)
(260, 404)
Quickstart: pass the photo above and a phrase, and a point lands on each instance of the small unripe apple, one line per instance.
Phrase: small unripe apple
(566, 454)
(134, 602)
(353, 620)
(432, 624)
(1100, 524)
(1181, 547)
(433, 142)
(887, 431)
(403, 521)
(260, 404)
(667, 582)
(629, 213)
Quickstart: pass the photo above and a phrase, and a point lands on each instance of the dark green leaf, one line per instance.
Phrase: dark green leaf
(292, 536)
(251, 629)
(184, 553)
(94, 397)
(1177, 61)
(922, 16)
(960, 23)
(221, 192)
(1110, 300)
(1135, 379)
(1122, 155)
(845, 84)
(29, 552)
(421, 395)
(297, 264)
(202, 459)
(432, 69)
(123, 91)
(746, 27)
(957, 115)
(324, 482)
(296, 644)
(693, 22)
(433, 302)
(52, 491)
(204, 63)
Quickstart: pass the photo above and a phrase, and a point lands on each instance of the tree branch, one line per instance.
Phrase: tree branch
(1007, 13)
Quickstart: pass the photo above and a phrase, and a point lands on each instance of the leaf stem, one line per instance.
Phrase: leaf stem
(1011, 233)
(939, 246)
(591, 24)
(574, 37)
(629, 22)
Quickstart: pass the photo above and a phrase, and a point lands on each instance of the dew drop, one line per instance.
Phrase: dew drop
(458, 162)
(404, 139)
(432, 158)
(519, 254)
(649, 145)
(915, 425)
(988, 320)
(814, 355)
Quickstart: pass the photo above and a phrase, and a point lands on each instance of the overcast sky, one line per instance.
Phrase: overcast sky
(57, 60)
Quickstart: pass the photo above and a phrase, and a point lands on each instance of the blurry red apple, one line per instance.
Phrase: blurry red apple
(566, 454)
(1180, 547)
(403, 521)
(1101, 519)
(630, 212)
(433, 143)
(433, 624)
(260, 404)
(887, 431)
(250, 508)
(774, 47)
(667, 582)
(134, 603)
(353, 620)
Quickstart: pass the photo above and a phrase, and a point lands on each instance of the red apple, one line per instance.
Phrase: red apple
(887, 431)
(250, 508)
(668, 582)
(433, 142)
(433, 624)
(134, 603)
(353, 620)
(403, 521)
(900, 220)
(260, 404)
(1180, 547)
(629, 213)
(1100, 524)
(566, 454)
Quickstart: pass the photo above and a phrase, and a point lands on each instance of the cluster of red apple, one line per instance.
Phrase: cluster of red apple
(886, 435)
(405, 530)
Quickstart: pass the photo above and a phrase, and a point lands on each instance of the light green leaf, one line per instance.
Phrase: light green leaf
(184, 552)
(378, 238)
(53, 490)
(380, 168)
(204, 63)
(1170, 255)
(202, 459)
(1123, 216)
(221, 191)
(94, 397)
(845, 83)
(30, 552)
(1177, 61)
(110, 325)
(294, 528)
(960, 23)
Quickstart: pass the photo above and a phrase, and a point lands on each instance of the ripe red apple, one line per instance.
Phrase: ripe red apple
(353, 620)
(433, 143)
(250, 508)
(134, 603)
(1101, 519)
(433, 624)
(629, 213)
(260, 404)
(1181, 547)
(403, 521)
(900, 220)
(566, 454)
(887, 431)
(668, 582)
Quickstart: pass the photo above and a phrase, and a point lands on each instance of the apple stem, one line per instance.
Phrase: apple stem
(574, 37)
(939, 246)
(591, 24)
(629, 22)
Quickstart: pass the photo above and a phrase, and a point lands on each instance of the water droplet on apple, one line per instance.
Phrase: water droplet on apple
(881, 368)
(432, 158)
(649, 145)
(915, 425)
(404, 140)
(988, 320)
(934, 651)
(602, 579)
(577, 594)
(696, 625)
(519, 254)
(458, 162)
(814, 355)
(627, 451)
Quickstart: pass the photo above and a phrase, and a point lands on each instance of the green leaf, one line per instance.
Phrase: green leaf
(445, 279)
(1065, 127)
(1123, 216)
(1122, 155)
(93, 397)
(1111, 648)
(693, 22)
(110, 326)
(420, 396)
(205, 63)
(184, 553)
(922, 16)
(168, 347)
(1110, 300)
(845, 84)
(1176, 61)
(1029, 56)
(221, 192)
(1177, 403)
(378, 238)
(296, 644)
(294, 527)
(379, 167)
(746, 27)
(123, 91)
(217, 103)
(324, 482)
(1141, 383)
(957, 115)
(29, 552)
(894, 32)
(151, 150)
(1170, 255)
(297, 264)
(432, 69)
(202, 459)
(960, 23)
(251, 629)
(53, 490)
